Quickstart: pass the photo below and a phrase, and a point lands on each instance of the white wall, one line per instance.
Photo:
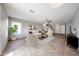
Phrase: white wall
(67, 28)
(0, 27)
(75, 22)
(3, 28)
(42, 11)
(59, 29)
(24, 24)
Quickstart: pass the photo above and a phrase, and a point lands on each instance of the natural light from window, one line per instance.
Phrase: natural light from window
(19, 27)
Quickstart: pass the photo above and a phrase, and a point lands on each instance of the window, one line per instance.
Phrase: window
(19, 27)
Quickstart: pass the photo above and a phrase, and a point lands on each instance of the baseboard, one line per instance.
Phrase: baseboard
(78, 48)
(3, 47)
(59, 33)
(0, 51)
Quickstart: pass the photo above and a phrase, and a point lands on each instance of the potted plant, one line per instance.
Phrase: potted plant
(12, 30)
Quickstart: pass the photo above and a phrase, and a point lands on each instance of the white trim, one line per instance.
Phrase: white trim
(0, 52)
(78, 48)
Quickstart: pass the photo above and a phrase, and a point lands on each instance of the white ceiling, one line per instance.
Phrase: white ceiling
(38, 12)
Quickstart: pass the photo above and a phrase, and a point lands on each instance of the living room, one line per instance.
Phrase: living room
(39, 29)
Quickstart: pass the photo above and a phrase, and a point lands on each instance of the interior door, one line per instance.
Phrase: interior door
(62, 29)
